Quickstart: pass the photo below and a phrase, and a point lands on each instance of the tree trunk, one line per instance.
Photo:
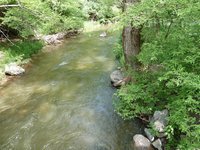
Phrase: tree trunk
(131, 41)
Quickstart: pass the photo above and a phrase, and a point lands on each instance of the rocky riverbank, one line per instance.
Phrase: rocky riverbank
(155, 132)
(10, 68)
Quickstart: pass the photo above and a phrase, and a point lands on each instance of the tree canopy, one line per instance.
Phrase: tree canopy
(52, 16)
(169, 74)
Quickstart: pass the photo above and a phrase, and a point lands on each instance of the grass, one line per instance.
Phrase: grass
(18, 52)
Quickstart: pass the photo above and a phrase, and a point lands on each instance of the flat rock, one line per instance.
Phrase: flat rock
(13, 69)
(141, 143)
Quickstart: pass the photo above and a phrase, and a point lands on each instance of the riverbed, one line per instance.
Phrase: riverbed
(64, 100)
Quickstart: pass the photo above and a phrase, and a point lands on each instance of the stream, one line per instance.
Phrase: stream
(64, 101)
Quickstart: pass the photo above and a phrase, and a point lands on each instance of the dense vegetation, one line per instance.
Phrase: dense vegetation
(24, 19)
(52, 16)
(168, 76)
(42, 16)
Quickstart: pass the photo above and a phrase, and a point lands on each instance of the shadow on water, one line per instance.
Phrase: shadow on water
(65, 101)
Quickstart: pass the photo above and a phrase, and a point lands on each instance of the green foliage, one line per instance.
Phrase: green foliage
(52, 16)
(45, 17)
(20, 51)
(100, 10)
(118, 51)
(170, 32)
(7, 1)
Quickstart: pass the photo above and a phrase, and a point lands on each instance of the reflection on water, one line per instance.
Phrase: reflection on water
(64, 102)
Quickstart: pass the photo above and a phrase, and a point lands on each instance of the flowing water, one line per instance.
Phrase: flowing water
(64, 101)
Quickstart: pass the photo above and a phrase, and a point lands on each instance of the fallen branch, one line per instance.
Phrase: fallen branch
(4, 6)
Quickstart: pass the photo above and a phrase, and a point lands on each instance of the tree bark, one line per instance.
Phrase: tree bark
(131, 39)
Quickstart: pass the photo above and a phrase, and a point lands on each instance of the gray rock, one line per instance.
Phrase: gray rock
(159, 120)
(104, 34)
(161, 115)
(116, 76)
(157, 144)
(159, 126)
(141, 143)
(54, 38)
(13, 69)
(149, 135)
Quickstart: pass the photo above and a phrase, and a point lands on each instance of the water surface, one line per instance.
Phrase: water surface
(64, 101)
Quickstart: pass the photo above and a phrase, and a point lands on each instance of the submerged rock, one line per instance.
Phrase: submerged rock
(13, 69)
(141, 143)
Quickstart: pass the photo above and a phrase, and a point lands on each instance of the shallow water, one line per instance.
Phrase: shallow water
(64, 101)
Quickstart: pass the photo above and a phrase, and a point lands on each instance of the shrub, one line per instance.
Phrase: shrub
(170, 40)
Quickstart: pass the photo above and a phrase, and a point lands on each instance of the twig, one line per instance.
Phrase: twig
(6, 37)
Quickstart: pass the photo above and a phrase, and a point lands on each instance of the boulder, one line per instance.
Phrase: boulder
(13, 69)
(149, 134)
(116, 76)
(161, 115)
(103, 34)
(157, 144)
(54, 38)
(141, 143)
(159, 120)
(51, 39)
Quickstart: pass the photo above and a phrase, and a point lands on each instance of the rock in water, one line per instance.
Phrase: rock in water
(13, 69)
(141, 143)
(116, 76)
(103, 34)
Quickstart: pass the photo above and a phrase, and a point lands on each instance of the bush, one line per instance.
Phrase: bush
(171, 41)
(100, 10)
(45, 17)
(118, 51)
(20, 51)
